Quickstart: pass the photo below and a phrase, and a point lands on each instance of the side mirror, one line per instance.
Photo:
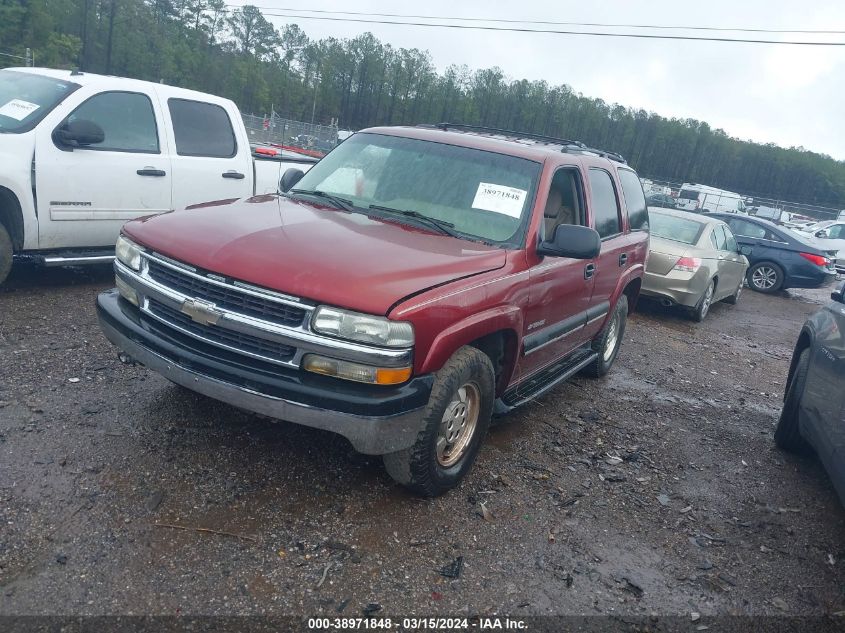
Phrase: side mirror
(839, 295)
(821, 233)
(79, 133)
(746, 250)
(290, 178)
(569, 240)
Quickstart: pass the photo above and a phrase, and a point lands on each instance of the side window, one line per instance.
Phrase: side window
(721, 242)
(563, 205)
(837, 232)
(127, 120)
(605, 205)
(201, 129)
(730, 240)
(713, 239)
(632, 189)
(747, 229)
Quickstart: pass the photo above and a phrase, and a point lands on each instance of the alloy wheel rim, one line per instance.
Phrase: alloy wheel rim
(612, 337)
(764, 277)
(457, 427)
(708, 299)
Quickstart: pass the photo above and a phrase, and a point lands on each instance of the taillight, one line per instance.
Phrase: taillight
(818, 260)
(688, 264)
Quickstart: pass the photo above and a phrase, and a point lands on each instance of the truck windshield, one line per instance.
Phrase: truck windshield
(476, 194)
(25, 99)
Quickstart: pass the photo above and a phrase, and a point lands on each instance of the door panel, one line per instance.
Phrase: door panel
(209, 161)
(86, 194)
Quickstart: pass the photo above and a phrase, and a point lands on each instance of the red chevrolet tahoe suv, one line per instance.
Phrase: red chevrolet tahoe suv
(415, 282)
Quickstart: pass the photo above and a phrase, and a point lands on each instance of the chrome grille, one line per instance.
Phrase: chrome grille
(227, 298)
(228, 338)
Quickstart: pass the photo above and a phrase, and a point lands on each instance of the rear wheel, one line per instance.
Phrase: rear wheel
(787, 434)
(5, 254)
(455, 423)
(765, 277)
(734, 298)
(609, 340)
(703, 306)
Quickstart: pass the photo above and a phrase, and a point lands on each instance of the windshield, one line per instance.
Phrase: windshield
(25, 99)
(479, 195)
(674, 228)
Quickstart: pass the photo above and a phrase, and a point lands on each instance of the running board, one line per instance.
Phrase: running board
(543, 381)
(76, 260)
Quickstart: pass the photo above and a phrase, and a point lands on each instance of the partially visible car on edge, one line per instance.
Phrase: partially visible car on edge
(831, 235)
(706, 199)
(694, 261)
(813, 413)
(780, 258)
(774, 215)
(80, 154)
(413, 282)
(661, 200)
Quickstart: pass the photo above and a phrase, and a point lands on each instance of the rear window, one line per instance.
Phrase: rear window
(674, 228)
(201, 129)
(688, 194)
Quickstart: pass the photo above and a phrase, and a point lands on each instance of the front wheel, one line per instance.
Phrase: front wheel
(787, 434)
(734, 298)
(765, 277)
(455, 423)
(609, 340)
(703, 306)
(5, 254)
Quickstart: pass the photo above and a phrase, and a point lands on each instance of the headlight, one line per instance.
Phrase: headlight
(362, 328)
(128, 253)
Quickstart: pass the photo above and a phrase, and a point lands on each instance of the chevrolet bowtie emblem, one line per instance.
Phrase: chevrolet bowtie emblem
(201, 312)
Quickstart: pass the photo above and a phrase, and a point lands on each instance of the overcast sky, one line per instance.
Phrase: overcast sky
(789, 95)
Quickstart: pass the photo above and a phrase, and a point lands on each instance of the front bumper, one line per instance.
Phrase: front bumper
(376, 420)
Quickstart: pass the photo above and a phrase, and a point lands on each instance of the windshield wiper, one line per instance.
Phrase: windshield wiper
(340, 203)
(446, 228)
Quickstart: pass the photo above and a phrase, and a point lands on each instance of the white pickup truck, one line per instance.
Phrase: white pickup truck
(81, 154)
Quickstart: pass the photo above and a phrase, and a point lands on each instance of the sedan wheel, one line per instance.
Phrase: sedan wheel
(765, 277)
(704, 303)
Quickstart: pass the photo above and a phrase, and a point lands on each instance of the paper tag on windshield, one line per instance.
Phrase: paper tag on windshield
(499, 199)
(18, 109)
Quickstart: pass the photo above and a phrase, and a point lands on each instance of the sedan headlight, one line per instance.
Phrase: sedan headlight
(362, 328)
(128, 253)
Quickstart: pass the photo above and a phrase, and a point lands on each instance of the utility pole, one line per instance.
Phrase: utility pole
(28, 58)
(316, 84)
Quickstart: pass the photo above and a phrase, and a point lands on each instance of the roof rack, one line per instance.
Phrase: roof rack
(567, 145)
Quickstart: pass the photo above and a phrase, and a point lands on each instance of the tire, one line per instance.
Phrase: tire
(787, 434)
(607, 343)
(5, 254)
(734, 298)
(769, 277)
(702, 308)
(464, 390)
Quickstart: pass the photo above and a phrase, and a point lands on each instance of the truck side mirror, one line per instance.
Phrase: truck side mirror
(290, 178)
(78, 133)
(821, 233)
(570, 240)
(839, 295)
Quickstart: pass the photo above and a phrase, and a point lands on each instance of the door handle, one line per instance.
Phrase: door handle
(151, 171)
(233, 174)
(589, 270)
(623, 259)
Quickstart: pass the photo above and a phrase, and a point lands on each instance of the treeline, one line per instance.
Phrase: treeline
(237, 53)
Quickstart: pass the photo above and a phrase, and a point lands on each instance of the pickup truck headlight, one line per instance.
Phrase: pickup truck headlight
(128, 253)
(362, 328)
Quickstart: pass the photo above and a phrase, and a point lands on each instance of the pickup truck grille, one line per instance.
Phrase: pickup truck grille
(232, 298)
(227, 338)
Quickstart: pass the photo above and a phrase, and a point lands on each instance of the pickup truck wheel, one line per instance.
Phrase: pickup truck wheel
(5, 253)
(455, 423)
(787, 434)
(607, 342)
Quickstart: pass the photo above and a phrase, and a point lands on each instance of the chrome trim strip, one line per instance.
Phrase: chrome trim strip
(594, 319)
(77, 261)
(554, 340)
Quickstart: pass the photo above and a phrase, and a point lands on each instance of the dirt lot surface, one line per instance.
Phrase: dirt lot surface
(655, 490)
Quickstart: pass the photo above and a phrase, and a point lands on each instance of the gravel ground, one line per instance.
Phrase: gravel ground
(655, 490)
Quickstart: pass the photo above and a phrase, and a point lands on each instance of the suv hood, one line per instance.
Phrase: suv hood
(319, 253)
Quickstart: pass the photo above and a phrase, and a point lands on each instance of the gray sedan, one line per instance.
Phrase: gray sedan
(813, 412)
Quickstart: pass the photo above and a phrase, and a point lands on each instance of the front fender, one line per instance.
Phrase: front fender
(16, 156)
(496, 319)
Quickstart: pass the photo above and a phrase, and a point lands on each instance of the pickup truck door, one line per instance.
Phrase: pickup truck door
(211, 156)
(85, 194)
